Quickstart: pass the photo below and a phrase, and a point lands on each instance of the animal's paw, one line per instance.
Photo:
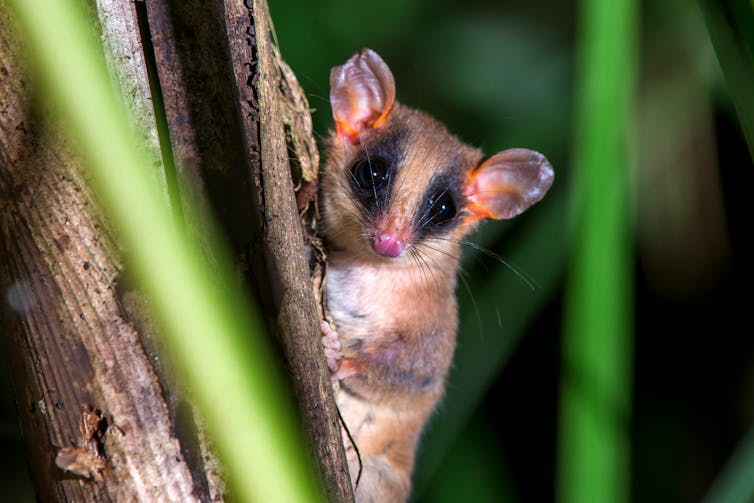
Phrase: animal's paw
(332, 346)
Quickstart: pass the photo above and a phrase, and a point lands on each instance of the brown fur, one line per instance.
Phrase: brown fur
(395, 317)
(399, 192)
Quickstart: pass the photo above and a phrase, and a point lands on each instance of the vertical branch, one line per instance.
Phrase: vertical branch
(220, 80)
(73, 347)
(287, 296)
(195, 82)
(62, 266)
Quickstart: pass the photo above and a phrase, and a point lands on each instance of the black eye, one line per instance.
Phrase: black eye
(369, 174)
(441, 209)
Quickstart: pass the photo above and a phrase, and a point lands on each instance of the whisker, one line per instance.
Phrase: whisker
(457, 258)
(527, 278)
(430, 275)
(319, 135)
(416, 259)
(318, 97)
(371, 174)
(436, 265)
(522, 275)
(473, 304)
(424, 221)
(462, 274)
(388, 190)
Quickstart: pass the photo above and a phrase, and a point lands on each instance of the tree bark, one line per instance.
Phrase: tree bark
(90, 384)
(285, 286)
(75, 352)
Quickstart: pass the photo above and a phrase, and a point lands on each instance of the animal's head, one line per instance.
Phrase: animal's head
(396, 181)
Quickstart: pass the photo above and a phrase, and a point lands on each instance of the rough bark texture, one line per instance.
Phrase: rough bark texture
(80, 339)
(74, 349)
(213, 91)
(289, 302)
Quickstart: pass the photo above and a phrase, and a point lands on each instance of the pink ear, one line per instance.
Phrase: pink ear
(507, 183)
(362, 92)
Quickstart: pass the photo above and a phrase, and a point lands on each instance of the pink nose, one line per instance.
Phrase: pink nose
(388, 244)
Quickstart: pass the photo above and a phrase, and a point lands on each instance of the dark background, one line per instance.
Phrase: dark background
(501, 75)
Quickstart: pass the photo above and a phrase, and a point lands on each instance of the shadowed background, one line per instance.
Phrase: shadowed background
(502, 75)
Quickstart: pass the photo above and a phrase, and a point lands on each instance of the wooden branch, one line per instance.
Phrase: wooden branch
(221, 85)
(289, 296)
(88, 395)
(196, 83)
(92, 389)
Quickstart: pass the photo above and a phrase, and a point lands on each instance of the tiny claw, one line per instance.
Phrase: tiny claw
(333, 364)
(332, 345)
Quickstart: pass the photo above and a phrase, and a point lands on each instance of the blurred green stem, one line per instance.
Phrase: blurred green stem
(207, 324)
(597, 347)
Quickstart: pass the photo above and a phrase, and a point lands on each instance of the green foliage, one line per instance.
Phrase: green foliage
(731, 27)
(597, 348)
(503, 75)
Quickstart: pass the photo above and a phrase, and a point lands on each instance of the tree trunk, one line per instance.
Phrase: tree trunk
(94, 395)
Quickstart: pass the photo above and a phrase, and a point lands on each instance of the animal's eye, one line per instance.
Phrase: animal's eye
(442, 208)
(370, 174)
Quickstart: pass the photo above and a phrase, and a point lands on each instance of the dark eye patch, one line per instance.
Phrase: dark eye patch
(441, 203)
(373, 169)
(441, 209)
(370, 174)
